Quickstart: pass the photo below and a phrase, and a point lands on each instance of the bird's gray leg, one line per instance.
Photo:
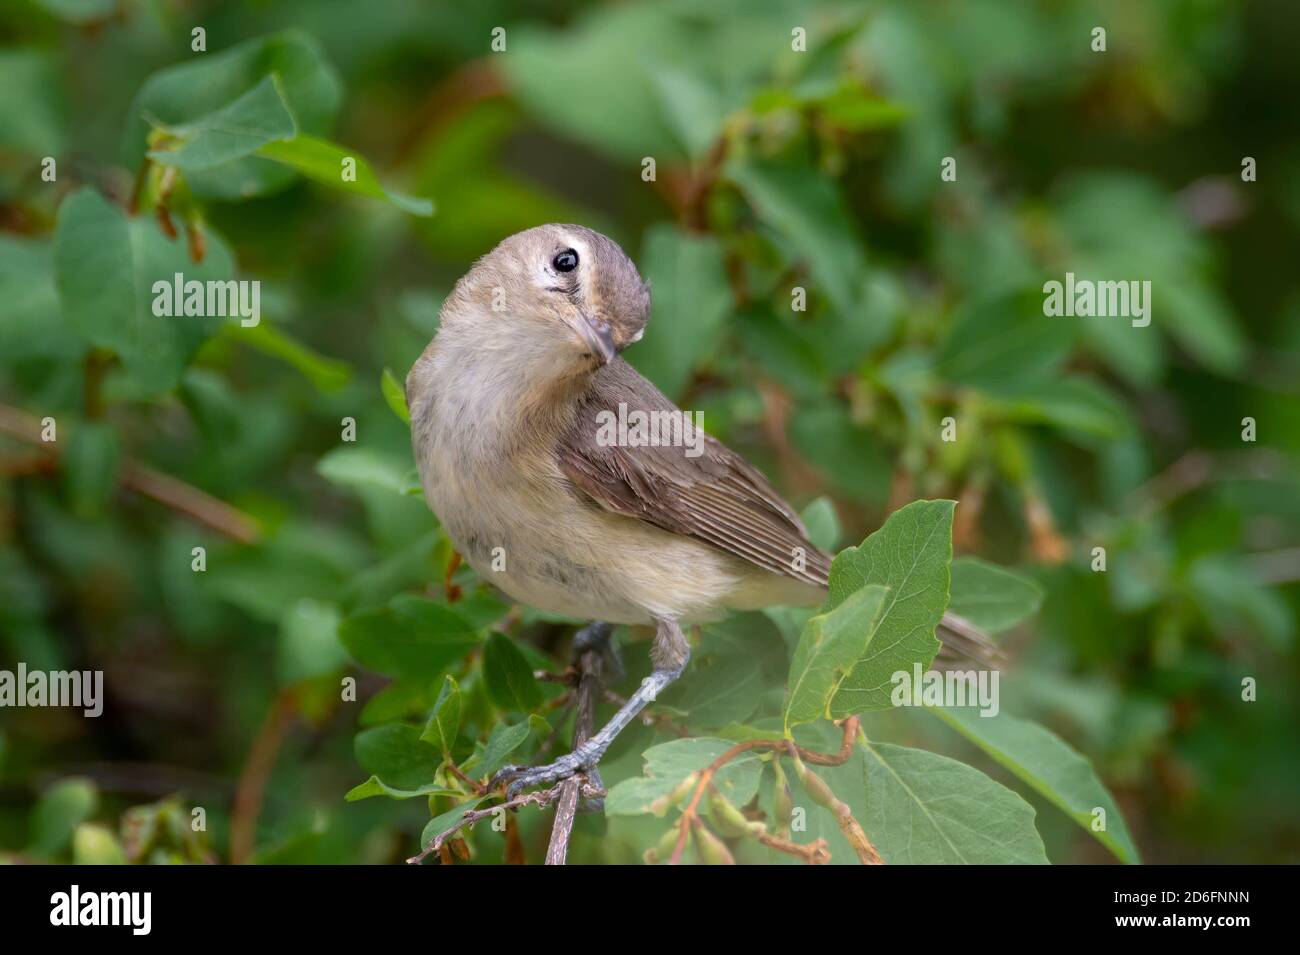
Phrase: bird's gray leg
(669, 655)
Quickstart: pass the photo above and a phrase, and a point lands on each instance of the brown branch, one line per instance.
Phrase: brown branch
(185, 499)
(1198, 468)
(814, 853)
(251, 789)
(589, 666)
(541, 798)
(478, 788)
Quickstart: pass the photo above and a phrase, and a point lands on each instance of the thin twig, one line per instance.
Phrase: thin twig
(251, 790)
(589, 666)
(185, 499)
(814, 853)
(691, 813)
(541, 798)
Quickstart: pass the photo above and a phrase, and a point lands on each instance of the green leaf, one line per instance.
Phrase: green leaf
(61, 809)
(395, 395)
(507, 676)
(359, 467)
(992, 597)
(444, 720)
(909, 555)
(830, 645)
(504, 739)
(717, 689)
(927, 809)
(309, 641)
(690, 300)
(254, 119)
(327, 163)
(183, 93)
(90, 467)
(33, 115)
(412, 638)
(823, 525)
(401, 765)
(690, 105)
(590, 80)
(807, 210)
(1051, 767)
(94, 844)
(441, 823)
(1002, 340)
(1072, 404)
(105, 267)
(850, 457)
(667, 766)
(31, 322)
(326, 374)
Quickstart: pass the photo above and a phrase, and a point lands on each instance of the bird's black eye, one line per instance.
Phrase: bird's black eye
(565, 261)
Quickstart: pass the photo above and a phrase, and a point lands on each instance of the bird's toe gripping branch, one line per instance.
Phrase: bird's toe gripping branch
(518, 778)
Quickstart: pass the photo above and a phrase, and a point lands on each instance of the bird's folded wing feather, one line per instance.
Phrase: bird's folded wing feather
(716, 497)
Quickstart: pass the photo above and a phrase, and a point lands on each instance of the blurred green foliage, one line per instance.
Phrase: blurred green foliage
(774, 170)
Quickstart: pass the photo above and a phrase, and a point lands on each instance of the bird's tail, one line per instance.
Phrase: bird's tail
(963, 642)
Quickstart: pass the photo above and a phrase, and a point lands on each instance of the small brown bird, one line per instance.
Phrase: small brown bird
(511, 406)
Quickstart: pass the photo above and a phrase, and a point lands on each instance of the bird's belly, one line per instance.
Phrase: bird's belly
(549, 549)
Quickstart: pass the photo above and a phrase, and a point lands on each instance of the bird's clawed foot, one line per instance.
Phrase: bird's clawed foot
(518, 778)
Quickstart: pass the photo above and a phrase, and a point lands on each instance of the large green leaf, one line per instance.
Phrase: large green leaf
(401, 765)
(909, 555)
(254, 119)
(105, 267)
(690, 299)
(829, 647)
(1051, 767)
(926, 809)
(992, 597)
(202, 85)
(411, 638)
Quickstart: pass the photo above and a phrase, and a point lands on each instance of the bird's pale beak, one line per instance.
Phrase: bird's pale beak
(597, 335)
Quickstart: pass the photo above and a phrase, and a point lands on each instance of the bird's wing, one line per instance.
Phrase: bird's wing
(716, 497)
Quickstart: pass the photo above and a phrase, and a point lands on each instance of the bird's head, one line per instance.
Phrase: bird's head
(560, 293)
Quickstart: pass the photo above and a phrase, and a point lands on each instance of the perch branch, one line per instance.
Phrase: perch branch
(589, 667)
